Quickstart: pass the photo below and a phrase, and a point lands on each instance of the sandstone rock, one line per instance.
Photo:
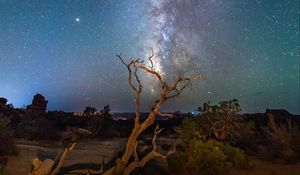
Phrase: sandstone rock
(39, 104)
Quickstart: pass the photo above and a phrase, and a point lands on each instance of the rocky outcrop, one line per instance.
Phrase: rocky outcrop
(3, 102)
(39, 104)
(280, 116)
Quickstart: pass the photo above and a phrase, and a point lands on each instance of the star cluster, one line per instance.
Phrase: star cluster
(65, 50)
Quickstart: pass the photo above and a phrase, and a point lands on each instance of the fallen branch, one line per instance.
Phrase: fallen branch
(45, 167)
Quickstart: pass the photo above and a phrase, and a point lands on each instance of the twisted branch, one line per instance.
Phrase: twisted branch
(62, 158)
(152, 154)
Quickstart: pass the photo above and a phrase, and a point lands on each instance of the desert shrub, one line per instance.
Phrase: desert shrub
(25, 129)
(64, 119)
(234, 155)
(283, 141)
(102, 124)
(176, 165)
(202, 155)
(6, 137)
(207, 158)
(247, 138)
(37, 129)
(296, 144)
(103, 127)
(191, 129)
(3, 162)
(14, 121)
(46, 130)
(89, 111)
(222, 120)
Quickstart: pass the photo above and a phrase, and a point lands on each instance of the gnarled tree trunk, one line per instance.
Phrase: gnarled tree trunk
(123, 166)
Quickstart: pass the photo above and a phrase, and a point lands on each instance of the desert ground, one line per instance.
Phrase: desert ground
(95, 151)
(85, 152)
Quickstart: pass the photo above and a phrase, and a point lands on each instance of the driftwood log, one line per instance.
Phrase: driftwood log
(48, 166)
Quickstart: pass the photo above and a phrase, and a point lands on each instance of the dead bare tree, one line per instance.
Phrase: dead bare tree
(125, 165)
(168, 91)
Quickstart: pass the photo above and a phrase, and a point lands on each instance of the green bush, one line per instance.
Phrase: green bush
(200, 154)
(176, 165)
(207, 158)
(234, 155)
(191, 130)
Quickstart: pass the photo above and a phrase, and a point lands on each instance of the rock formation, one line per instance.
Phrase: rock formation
(39, 104)
(280, 116)
(3, 102)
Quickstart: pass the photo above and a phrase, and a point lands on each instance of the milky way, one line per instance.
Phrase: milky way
(247, 50)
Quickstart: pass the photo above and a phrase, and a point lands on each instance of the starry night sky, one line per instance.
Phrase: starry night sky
(65, 50)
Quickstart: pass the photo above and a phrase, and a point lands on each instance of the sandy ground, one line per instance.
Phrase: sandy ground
(87, 151)
(84, 152)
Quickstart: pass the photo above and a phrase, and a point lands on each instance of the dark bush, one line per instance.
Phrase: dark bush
(221, 121)
(282, 141)
(38, 129)
(64, 119)
(6, 137)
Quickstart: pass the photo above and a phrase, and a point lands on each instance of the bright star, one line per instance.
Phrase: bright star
(77, 19)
